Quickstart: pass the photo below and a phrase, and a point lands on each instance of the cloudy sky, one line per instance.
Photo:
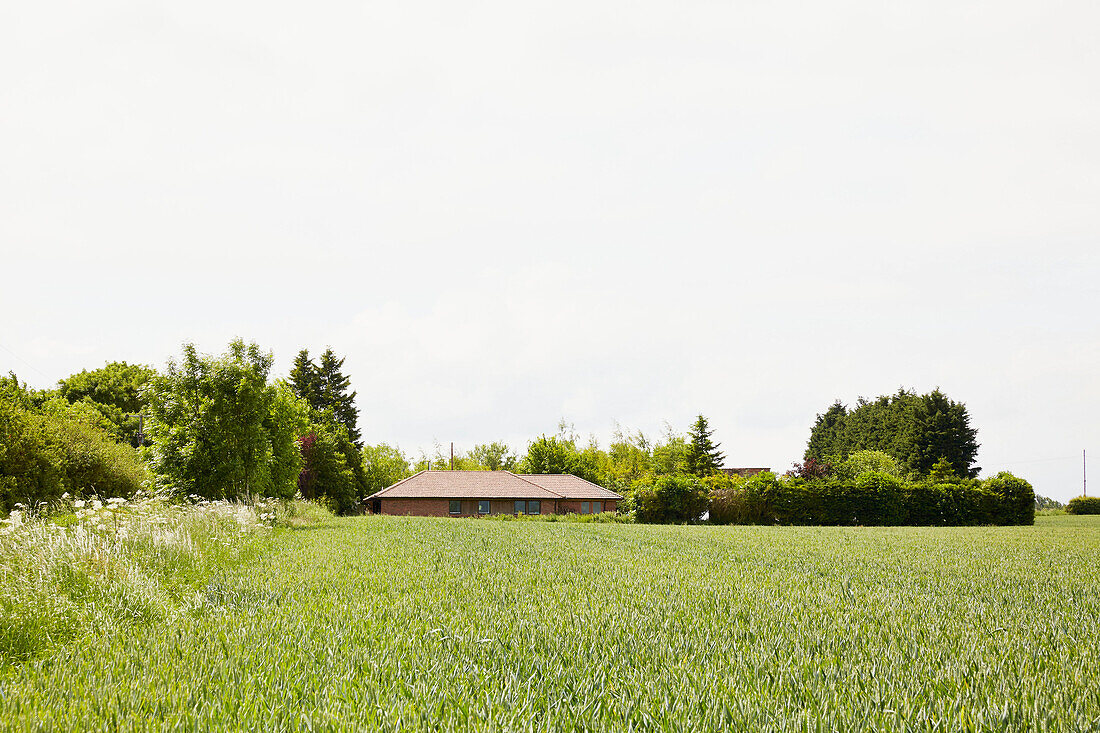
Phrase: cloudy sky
(509, 213)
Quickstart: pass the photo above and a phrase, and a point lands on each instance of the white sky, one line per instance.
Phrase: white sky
(508, 213)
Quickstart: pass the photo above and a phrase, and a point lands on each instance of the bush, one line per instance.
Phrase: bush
(872, 498)
(868, 461)
(1013, 499)
(61, 448)
(1084, 505)
(670, 500)
(743, 501)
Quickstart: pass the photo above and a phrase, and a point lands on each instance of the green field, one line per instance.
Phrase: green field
(429, 624)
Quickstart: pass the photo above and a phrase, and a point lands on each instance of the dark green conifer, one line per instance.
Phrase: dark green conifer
(703, 457)
(334, 395)
(305, 380)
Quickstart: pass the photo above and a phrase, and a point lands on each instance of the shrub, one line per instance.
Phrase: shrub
(868, 461)
(1014, 499)
(670, 499)
(1084, 505)
(61, 448)
(872, 498)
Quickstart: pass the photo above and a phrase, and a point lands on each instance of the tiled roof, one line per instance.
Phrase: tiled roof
(465, 485)
(570, 486)
(493, 485)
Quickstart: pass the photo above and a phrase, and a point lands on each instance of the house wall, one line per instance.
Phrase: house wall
(566, 506)
(442, 507)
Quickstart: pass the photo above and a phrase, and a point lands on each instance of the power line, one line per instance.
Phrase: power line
(17, 356)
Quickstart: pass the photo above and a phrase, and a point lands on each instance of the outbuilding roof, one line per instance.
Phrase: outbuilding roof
(493, 485)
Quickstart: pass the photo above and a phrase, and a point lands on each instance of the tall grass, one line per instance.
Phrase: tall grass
(93, 567)
(405, 623)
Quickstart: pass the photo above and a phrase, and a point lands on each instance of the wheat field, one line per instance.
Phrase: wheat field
(423, 624)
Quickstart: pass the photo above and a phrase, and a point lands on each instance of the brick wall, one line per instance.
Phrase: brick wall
(566, 506)
(442, 507)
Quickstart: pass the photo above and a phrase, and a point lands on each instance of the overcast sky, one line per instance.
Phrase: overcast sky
(506, 213)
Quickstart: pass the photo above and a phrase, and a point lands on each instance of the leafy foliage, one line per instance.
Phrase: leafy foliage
(670, 499)
(116, 391)
(810, 468)
(558, 454)
(1084, 505)
(51, 448)
(917, 430)
(220, 430)
(1045, 502)
(384, 465)
(325, 474)
(873, 498)
(495, 456)
(867, 461)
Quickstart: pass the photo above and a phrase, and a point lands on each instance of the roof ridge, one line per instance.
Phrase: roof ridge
(539, 486)
(395, 485)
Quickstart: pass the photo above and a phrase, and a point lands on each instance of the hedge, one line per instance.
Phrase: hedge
(872, 499)
(1084, 505)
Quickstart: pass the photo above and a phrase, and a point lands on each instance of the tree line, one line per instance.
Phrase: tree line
(219, 426)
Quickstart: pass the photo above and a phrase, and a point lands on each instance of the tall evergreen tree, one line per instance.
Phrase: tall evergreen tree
(305, 380)
(917, 430)
(703, 457)
(333, 388)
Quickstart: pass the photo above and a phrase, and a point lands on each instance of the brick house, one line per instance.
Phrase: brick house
(474, 493)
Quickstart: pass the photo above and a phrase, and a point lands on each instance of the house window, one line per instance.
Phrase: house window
(483, 506)
(597, 507)
(456, 506)
(534, 507)
(585, 509)
(521, 507)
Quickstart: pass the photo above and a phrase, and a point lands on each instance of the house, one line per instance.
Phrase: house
(742, 472)
(474, 493)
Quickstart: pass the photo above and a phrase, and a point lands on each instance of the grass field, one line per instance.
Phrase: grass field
(430, 624)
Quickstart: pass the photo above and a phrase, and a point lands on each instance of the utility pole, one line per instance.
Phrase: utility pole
(1084, 475)
(452, 455)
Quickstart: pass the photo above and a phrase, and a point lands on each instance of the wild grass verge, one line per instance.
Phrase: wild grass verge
(93, 566)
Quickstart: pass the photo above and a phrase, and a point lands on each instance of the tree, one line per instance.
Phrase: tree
(116, 392)
(305, 381)
(917, 430)
(384, 466)
(703, 457)
(334, 395)
(220, 430)
(560, 455)
(325, 388)
(325, 473)
(495, 456)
